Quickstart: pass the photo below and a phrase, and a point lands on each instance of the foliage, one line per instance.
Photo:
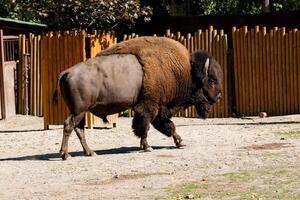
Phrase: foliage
(113, 14)
(285, 5)
(219, 7)
(208, 7)
(65, 14)
(6, 8)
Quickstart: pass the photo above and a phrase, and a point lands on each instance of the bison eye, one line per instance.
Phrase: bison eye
(211, 82)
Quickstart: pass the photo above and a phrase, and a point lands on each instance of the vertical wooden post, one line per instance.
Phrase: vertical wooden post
(2, 88)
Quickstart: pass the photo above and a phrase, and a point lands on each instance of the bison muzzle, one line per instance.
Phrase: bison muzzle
(154, 76)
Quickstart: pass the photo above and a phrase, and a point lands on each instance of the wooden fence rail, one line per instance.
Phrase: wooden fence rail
(266, 70)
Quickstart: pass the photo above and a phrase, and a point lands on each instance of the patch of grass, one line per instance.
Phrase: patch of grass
(280, 182)
(241, 176)
(181, 191)
(290, 133)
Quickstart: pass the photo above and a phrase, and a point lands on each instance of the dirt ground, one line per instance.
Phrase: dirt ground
(233, 158)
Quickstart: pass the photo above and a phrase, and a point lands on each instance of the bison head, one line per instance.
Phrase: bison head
(207, 82)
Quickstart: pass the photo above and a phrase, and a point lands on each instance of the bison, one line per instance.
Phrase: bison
(155, 76)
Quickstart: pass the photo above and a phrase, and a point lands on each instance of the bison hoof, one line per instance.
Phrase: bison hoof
(65, 156)
(180, 146)
(148, 149)
(90, 153)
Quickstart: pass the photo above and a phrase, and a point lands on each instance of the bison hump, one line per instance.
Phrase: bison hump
(165, 64)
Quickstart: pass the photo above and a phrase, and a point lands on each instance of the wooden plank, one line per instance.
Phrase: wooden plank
(240, 89)
(45, 76)
(65, 66)
(199, 33)
(264, 81)
(54, 109)
(19, 75)
(235, 67)
(286, 75)
(268, 75)
(298, 69)
(244, 86)
(276, 81)
(2, 88)
(51, 60)
(59, 69)
(295, 72)
(216, 48)
(34, 59)
(257, 70)
(283, 62)
(210, 38)
(36, 71)
(248, 70)
(31, 75)
(60, 65)
(188, 42)
(291, 75)
(272, 72)
(260, 72)
(39, 80)
(225, 68)
(252, 70)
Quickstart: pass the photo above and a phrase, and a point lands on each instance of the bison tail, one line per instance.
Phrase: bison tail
(55, 94)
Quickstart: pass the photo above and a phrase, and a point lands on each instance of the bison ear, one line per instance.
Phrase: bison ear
(206, 65)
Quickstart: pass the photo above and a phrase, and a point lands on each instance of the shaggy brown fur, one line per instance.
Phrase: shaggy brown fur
(166, 66)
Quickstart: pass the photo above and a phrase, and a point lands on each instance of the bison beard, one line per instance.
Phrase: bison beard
(170, 82)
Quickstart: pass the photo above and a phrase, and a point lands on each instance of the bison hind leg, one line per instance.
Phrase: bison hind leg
(81, 135)
(68, 128)
(70, 124)
(167, 127)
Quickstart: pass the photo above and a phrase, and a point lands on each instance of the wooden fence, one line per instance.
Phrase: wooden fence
(59, 52)
(215, 42)
(261, 69)
(2, 88)
(266, 70)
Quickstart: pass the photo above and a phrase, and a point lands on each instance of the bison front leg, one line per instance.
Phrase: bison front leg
(167, 127)
(141, 124)
(80, 133)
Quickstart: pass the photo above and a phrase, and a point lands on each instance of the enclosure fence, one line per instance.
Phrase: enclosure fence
(266, 70)
(261, 69)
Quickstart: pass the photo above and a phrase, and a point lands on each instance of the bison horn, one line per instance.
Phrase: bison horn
(206, 67)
